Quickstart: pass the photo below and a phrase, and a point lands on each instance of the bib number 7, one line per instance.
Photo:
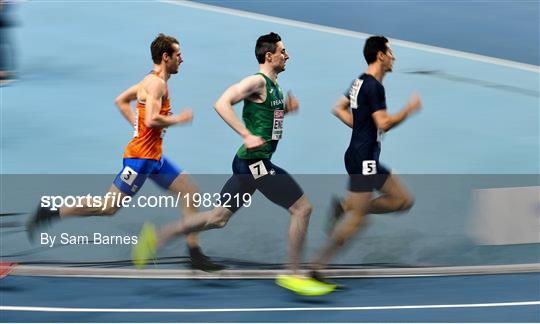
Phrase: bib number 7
(258, 169)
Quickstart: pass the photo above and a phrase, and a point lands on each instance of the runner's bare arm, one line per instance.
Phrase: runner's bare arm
(251, 86)
(123, 102)
(385, 121)
(341, 110)
(291, 103)
(155, 90)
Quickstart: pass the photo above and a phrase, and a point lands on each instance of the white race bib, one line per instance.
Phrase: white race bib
(258, 169)
(277, 128)
(128, 175)
(136, 124)
(353, 93)
(369, 167)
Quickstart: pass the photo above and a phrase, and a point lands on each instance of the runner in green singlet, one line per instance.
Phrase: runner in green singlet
(263, 115)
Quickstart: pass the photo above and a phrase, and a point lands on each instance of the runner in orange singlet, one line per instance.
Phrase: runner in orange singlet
(143, 155)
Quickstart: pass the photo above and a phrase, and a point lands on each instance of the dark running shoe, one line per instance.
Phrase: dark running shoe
(41, 218)
(336, 213)
(316, 275)
(200, 261)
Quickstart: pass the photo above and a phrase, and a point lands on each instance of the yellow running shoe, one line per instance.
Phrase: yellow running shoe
(145, 249)
(304, 286)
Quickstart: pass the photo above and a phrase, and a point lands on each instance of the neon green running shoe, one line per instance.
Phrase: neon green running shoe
(304, 286)
(145, 249)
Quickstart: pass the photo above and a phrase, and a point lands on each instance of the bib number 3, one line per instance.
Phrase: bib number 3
(128, 175)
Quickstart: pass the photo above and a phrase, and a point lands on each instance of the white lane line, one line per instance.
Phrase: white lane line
(349, 33)
(232, 310)
(28, 270)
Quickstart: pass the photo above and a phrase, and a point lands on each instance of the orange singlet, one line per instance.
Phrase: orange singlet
(147, 142)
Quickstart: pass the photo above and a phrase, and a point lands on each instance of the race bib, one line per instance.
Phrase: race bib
(128, 175)
(369, 167)
(277, 129)
(258, 169)
(353, 93)
(136, 124)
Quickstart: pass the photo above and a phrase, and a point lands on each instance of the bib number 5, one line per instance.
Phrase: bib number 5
(369, 167)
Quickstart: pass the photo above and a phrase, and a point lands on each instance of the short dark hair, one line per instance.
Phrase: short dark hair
(266, 43)
(162, 44)
(373, 46)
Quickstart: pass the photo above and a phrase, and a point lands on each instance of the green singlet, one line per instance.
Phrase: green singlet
(265, 120)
